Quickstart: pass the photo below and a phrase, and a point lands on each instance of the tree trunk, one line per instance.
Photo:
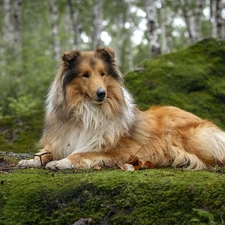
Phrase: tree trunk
(11, 31)
(188, 18)
(218, 19)
(97, 23)
(151, 16)
(6, 34)
(54, 22)
(17, 25)
(164, 44)
(119, 38)
(197, 22)
(213, 17)
(76, 23)
(130, 32)
(7, 26)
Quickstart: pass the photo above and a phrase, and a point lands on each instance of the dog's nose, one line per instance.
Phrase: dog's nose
(101, 93)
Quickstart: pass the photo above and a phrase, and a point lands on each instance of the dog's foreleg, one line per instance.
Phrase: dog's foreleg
(84, 160)
(40, 159)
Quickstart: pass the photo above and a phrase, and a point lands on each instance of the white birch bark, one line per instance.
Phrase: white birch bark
(119, 39)
(213, 18)
(76, 22)
(7, 26)
(197, 22)
(188, 18)
(164, 43)
(97, 23)
(130, 32)
(6, 34)
(218, 19)
(17, 25)
(151, 16)
(54, 23)
(11, 32)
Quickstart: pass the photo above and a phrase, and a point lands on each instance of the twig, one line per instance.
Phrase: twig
(40, 155)
(131, 158)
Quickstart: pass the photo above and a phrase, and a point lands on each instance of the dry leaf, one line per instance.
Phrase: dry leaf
(135, 162)
(97, 167)
(148, 165)
(126, 166)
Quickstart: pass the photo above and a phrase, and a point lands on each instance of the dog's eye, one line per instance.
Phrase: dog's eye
(85, 75)
(102, 74)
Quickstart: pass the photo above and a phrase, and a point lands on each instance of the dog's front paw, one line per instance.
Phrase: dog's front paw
(31, 163)
(60, 164)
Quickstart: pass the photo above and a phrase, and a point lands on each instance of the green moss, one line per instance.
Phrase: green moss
(192, 79)
(162, 196)
(20, 134)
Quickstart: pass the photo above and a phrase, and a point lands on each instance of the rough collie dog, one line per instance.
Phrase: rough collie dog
(91, 120)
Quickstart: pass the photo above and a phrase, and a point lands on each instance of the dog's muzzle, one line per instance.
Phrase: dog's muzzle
(101, 94)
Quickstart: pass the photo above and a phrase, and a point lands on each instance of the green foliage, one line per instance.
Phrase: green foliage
(192, 79)
(157, 196)
(21, 133)
(22, 105)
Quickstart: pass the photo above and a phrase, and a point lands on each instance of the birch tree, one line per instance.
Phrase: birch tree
(130, 32)
(76, 22)
(151, 16)
(6, 34)
(54, 30)
(17, 25)
(218, 19)
(197, 20)
(97, 23)
(188, 18)
(11, 31)
(213, 17)
(164, 44)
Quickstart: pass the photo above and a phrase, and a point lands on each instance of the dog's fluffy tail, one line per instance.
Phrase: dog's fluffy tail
(205, 149)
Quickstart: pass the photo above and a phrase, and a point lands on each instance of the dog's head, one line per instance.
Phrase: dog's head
(89, 75)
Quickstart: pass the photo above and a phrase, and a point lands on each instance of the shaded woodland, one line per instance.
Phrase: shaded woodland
(34, 35)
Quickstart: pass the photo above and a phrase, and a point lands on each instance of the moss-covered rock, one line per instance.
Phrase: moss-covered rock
(21, 133)
(162, 196)
(192, 79)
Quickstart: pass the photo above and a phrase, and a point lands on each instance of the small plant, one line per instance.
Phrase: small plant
(23, 104)
(205, 218)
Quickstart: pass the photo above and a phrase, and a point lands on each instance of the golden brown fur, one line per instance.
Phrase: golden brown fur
(91, 120)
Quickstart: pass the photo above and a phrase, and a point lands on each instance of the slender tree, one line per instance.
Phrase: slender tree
(76, 22)
(97, 23)
(164, 43)
(17, 25)
(218, 19)
(188, 18)
(55, 34)
(151, 16)
(130, 32)
(197, 20)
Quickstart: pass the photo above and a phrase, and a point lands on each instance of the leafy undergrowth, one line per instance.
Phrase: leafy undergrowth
(192, 79)
(109, 196)
(21, 133)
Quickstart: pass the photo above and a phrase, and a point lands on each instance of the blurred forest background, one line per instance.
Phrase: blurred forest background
(34, 35)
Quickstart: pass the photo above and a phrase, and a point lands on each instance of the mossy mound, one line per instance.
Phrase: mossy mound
(192, 79)
(162, 196)
(21, 133)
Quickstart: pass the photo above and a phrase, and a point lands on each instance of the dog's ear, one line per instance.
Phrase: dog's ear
(70, 57)
(107, 53)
